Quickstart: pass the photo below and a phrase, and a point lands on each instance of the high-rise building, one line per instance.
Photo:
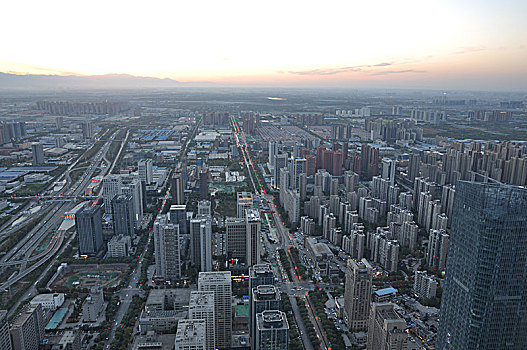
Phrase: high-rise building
(259, 275)
(37, 151)
(357, 295)
(119, 246)
(424, 286)
(236, 240)
(59, 122)
(191, 335)
(299, 167)
(204, 208)
(5, 338)
(244, 200)
(272, 331)
(388, 170)
(386, 328)
(167, 249)
(145, 171)
(273, 151)
(413, 166)
(111, 186)
(437, 249)
(88, 223)
(204, 184)
(336, 163)
(178, 216)
(201, 306)
(123, 215)
(369, 161)
(253, 226)
(351, 180)
(280, 162)
(87, 130)
(311, 164)
(178, 188)
(263, 297)
(220, 283)
(201, 242)
(27, 329)
(135, 189)
(483, 303)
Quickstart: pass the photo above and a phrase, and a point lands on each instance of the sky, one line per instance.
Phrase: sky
(446, 44)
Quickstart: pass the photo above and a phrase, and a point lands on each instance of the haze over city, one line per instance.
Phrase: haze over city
(476, 45)
(277, 175)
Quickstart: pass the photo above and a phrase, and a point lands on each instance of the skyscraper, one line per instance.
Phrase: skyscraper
(386, 329)
(111, 186)
(88, 224)
(236, 238)
(27, 329)
(280, 162)
(201, 242)
(178, 216)
(253, 226)
(263, 297)
(178, 188)
(220, 283)
(259, 275)
(272, 331)
(123, 215)
(413, 166)
(87, 130)
(145, 171)
(191, 335)
(369, 161)
(135, 189)
(244, 200)
(357, 295)
(273, 151)
(388, 170)
(5, 339)
(484, 299)
(37, 152)
(167, 249)
(201, 306)
(204, 184)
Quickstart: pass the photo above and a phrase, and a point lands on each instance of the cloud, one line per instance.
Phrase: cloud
(468, 49)
(337, 70)
(386, 72)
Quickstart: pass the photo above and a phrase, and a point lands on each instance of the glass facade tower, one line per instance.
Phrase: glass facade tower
(484, 304)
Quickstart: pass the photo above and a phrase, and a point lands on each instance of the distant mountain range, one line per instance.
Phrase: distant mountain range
(10, 81)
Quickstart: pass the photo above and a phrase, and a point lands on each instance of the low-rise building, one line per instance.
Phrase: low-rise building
(119, 246)
(50, 301)
(93, 305)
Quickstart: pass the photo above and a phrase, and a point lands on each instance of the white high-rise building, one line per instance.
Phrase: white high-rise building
(201, 306)
(145, 171)
(388, 170)
(111, 187)
(191, 335)
(167, 250)
(220, 283)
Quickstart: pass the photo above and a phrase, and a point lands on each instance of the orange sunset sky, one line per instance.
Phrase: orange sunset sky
(432, 44)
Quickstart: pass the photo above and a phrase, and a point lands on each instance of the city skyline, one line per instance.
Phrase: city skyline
(413, 44)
